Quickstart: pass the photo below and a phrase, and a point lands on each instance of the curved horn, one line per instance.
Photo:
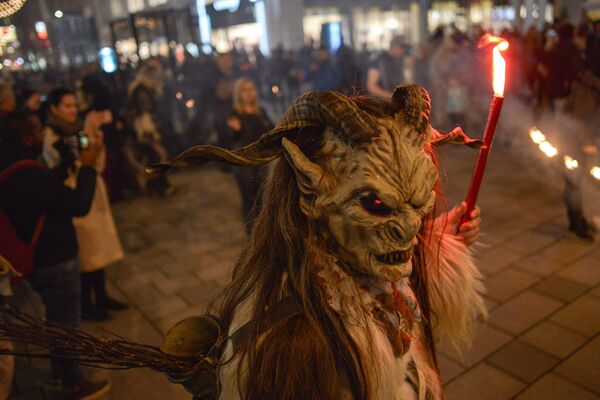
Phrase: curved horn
(332, 109)
(412, 104)
(311, 109)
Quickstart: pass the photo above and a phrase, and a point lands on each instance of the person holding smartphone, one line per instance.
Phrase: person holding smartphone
(63, 144)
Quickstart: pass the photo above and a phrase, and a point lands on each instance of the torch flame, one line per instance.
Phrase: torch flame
(571, 163)
(595, 172)
(499, 63)
(537, 136)
(548, 149)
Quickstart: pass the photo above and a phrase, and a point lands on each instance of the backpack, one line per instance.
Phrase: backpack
(17, 252)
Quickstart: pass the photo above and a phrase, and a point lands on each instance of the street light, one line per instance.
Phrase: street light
(58, 14)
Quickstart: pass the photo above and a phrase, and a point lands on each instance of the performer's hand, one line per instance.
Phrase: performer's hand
(468, 231)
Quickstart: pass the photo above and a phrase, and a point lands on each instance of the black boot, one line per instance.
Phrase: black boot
(89, 310)
(103, 299)
(579, 226)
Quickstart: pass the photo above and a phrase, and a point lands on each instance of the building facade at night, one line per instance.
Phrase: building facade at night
(139, 29)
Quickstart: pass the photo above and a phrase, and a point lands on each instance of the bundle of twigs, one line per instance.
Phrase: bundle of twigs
(110, 353)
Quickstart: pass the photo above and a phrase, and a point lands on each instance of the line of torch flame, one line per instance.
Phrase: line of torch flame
(550, 151)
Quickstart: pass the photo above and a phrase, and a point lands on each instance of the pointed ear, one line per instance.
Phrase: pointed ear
(308, 174)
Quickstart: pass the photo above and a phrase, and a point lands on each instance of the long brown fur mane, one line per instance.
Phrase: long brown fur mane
(311, 355)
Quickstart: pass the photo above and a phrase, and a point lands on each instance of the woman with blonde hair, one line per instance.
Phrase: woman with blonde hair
(247, 122)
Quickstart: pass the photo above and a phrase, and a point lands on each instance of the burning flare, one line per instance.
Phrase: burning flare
(499, 63)
(549, 150)
(537, 136)
(540, 139)
(571, 163)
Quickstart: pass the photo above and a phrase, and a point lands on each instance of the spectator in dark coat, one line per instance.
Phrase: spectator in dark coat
(24, 197)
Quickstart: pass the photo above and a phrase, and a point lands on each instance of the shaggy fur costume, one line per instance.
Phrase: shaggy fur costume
(455, 288)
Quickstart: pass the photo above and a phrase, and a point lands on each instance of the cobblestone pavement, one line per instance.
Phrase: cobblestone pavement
(542, 339)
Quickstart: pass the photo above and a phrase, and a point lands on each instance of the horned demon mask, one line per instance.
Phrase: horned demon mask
(370, 184)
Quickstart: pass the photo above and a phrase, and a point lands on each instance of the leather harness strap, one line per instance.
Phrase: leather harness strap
(285, 308)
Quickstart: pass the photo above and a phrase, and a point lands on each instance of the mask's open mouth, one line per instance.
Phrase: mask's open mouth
(394, 258)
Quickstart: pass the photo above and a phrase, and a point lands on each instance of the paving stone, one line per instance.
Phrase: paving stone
(150, 253)
(508, 283)
(585, 271)
(169, 286)
(169, 306)
(202, 247)
(553, 339)
(449, 369)
(486, 341)
(583, 315)
(504, 230)
(483, 382)
(595, 292)
(538, 265)
(583, 367)
(159, 261)
(559, 288)
(552, 229)
(529, 242)
(489, 240)
(133, 241)
(143, 384)
(523, 311)
(567, 250)
(519, 359)
(219, 271)
(553, 387)
(176, 269)
(132, 282)
(201, 293)
(496, 259)
(143, 295)
(123, 270)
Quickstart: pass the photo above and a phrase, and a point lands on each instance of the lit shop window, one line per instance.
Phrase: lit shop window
(135, 5)
(154, 3)
(116, 7)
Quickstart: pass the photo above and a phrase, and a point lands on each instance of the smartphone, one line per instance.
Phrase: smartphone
(83, 140)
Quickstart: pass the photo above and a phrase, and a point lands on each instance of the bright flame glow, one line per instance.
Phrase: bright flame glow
(571, 163)
(499, 74)
(499, 63)
(548, 149)
(595, 171)
(190, 103)
(537, 136)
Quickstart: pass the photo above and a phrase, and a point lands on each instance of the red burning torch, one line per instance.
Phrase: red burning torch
(498, 79)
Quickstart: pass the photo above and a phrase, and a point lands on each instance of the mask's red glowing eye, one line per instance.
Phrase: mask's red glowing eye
(375, 205)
